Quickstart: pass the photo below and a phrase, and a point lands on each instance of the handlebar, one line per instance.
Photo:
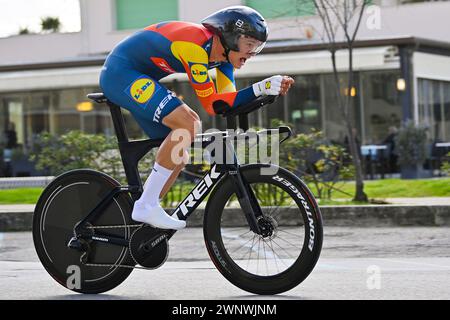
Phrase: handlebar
(223, 108)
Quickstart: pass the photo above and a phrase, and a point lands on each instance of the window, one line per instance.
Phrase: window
(55, 111)
(334, 125)
(304, 103)
(136, 14)
(382, 109)
(434, 108)
(282, 8)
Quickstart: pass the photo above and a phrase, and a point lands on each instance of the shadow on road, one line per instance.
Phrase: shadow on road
(266, 297)
(82, 296)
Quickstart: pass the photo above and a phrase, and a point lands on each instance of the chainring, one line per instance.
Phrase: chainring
(149, 247)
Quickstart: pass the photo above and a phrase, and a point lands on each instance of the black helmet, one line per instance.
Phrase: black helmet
(233, 22)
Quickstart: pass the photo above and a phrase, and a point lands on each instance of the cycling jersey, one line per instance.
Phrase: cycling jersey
(131, 72)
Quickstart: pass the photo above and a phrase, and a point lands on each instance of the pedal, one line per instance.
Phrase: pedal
(149, 247)
(74, 243)
(77, 244)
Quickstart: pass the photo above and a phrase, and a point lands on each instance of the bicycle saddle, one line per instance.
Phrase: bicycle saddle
(98, 97)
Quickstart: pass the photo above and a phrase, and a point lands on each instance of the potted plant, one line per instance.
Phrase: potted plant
(411, 149)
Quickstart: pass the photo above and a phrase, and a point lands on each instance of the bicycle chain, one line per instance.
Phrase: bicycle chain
(116, 226)
(115, 265)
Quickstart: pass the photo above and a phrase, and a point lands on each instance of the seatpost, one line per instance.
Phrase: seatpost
(129, 160)
(118, 122)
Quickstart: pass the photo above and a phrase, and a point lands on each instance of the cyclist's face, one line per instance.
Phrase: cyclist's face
(248, 47)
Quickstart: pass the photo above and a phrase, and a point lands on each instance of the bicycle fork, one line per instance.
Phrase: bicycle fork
(246, 197)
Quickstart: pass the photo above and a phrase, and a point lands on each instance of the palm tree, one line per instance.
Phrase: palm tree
(50, 24)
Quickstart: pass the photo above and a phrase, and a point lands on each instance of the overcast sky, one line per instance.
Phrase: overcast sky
(16, 14)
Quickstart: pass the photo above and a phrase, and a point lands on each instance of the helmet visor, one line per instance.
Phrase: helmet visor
(249, 45)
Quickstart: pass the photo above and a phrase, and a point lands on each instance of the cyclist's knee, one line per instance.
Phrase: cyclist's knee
(183, 119)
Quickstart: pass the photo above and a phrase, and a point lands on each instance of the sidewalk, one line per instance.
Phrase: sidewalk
(425, 201)
(400, 212)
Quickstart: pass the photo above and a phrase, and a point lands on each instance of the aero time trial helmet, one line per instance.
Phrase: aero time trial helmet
(239, 28)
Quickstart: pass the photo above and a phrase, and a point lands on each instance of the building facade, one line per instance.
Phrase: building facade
(401, 63)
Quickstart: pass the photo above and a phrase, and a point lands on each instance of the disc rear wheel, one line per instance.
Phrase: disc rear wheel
(66, 201)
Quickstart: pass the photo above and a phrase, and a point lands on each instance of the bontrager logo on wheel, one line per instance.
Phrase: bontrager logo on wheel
(305, 205)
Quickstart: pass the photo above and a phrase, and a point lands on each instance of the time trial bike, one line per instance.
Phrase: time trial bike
(82, 221)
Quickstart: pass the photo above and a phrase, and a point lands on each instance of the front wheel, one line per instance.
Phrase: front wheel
(288, 248)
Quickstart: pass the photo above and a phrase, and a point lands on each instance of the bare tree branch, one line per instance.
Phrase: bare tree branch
(361, 13)
(344, 16)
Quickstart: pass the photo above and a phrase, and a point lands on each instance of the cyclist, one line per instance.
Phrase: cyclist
(129, 78)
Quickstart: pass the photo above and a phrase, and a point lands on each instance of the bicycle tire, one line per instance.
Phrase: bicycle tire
(216, 227)
(63, 203)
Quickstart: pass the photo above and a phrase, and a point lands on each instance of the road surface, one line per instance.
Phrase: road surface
(356, 263)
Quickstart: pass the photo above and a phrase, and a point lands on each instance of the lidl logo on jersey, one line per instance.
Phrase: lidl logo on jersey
(199, 72)
(142, 90)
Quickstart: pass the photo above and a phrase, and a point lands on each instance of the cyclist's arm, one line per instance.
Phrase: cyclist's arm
(225, 78)
(195, 61)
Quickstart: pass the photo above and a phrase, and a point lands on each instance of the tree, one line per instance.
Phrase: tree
(24, 30)
(344, 17)
(50, 24)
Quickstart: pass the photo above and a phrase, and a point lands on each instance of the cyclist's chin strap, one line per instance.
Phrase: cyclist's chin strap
(227, 52)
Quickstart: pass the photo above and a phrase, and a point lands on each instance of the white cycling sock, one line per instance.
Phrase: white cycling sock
(154, 184)
(147, 209)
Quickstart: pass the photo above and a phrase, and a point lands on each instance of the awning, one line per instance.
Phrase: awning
(311, 62)
(292, 63)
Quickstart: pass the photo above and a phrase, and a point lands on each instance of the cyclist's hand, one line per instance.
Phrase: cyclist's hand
(286, 85)
(274, 85)
(270, 86)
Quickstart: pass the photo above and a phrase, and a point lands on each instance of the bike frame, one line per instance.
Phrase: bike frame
(132, 152)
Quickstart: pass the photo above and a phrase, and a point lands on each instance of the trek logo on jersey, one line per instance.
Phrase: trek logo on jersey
(142, 89)
(162, 64)
(199, 72)
(204, 93)
(162, 104)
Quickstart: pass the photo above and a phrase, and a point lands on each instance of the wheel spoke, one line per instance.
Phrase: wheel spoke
(250, 252)
(289, 243)
(289, 255)
(257, 262)
(241, 246)
(293, 234)
(276, 255)
(265, 258)
(234, 238)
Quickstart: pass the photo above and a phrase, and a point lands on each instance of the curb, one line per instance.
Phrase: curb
(348, 216)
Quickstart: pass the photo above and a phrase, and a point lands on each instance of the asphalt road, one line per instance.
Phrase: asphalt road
(356, 263)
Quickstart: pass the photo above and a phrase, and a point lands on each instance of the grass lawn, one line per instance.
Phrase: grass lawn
(375, 189)
(398, 188)
(20, 196)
